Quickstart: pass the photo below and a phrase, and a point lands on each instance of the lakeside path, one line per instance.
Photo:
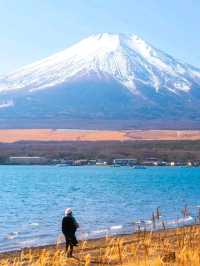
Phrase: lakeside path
(14, 135)
(180, 246)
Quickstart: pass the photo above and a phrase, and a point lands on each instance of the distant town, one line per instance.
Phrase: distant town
(101, 153)
(132, 162)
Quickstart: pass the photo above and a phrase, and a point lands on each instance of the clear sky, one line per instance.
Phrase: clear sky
(33, 29)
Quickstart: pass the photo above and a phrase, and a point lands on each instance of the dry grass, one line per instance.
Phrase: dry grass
(13, 135)
(177, 247)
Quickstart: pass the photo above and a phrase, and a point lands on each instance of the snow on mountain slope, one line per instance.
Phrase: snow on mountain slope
(125, 58)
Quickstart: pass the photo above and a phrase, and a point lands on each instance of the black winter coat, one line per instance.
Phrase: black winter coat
(69, 225)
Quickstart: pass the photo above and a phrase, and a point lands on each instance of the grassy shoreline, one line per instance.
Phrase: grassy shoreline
(173, 246)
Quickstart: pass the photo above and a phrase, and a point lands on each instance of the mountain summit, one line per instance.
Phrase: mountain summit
(114, 77)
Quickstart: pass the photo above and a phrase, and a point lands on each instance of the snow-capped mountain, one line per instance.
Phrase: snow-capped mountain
(105, 76)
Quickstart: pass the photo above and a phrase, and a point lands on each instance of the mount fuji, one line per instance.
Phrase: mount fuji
(106, 81)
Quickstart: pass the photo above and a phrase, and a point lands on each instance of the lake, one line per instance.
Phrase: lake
(105, 200)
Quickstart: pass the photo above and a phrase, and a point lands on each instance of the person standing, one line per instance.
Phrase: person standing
(69, 227)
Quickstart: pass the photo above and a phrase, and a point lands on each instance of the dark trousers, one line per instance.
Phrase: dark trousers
(70, 243)
(69, 249)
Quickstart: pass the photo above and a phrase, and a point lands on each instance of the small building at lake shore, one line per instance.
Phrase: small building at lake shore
(151, 161)
(26, 160)
(125, 162)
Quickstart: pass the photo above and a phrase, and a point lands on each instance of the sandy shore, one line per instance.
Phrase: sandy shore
(173, 238)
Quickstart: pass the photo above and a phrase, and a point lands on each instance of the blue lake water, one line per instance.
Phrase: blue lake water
(105, 200)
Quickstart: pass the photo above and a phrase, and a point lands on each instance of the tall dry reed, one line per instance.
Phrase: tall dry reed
(180, 247)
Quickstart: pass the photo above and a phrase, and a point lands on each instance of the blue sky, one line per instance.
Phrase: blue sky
(33, 29)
